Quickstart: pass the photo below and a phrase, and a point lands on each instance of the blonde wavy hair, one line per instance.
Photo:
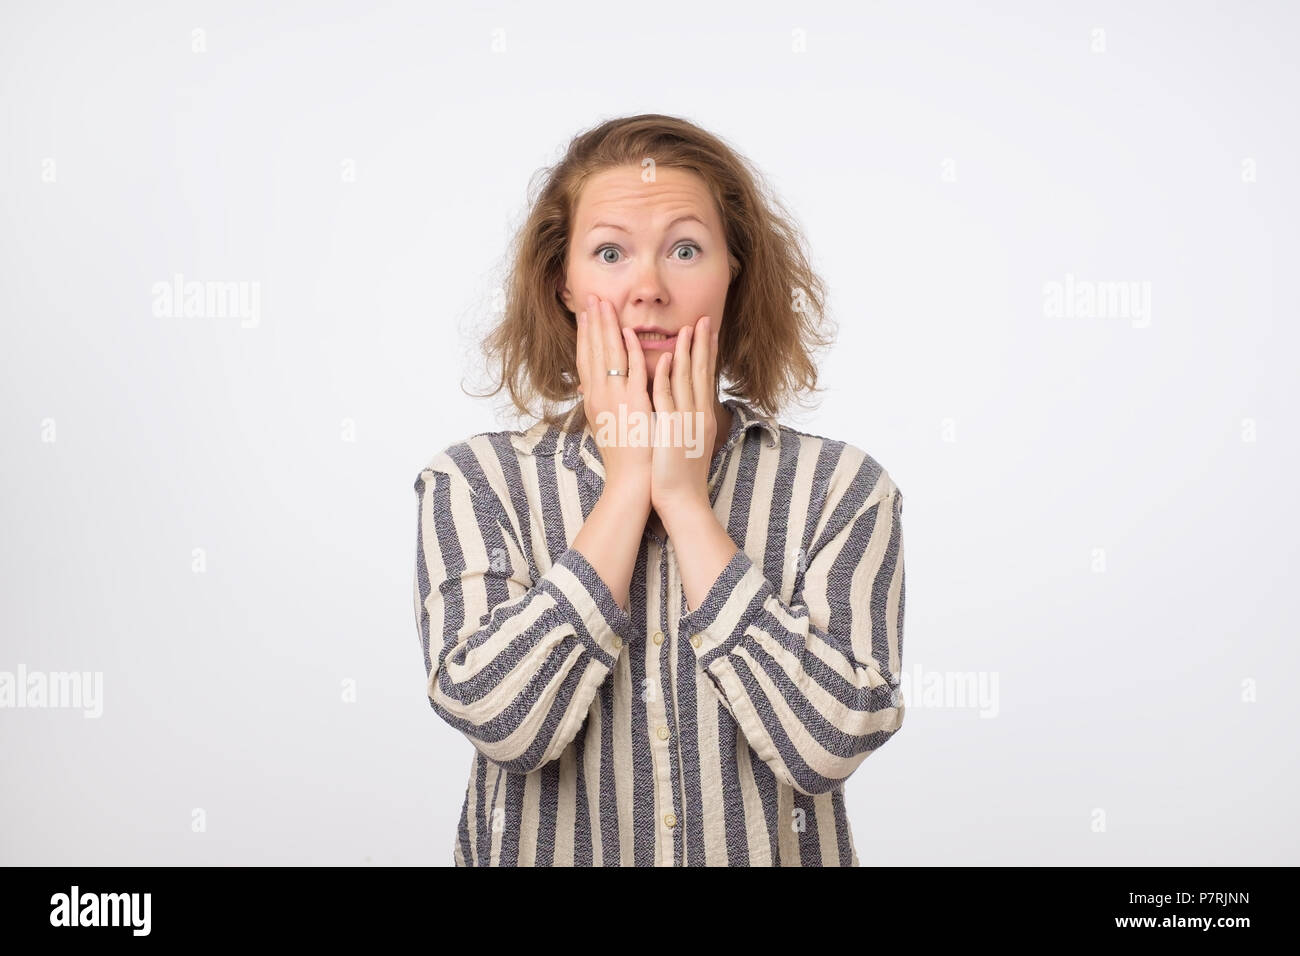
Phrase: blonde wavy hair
(774, 316)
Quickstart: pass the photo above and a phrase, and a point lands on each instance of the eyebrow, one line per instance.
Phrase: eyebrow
(685, 218)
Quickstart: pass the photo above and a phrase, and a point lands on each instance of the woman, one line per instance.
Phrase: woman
(672, 651)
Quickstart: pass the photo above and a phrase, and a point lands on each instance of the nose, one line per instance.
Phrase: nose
(648, 292)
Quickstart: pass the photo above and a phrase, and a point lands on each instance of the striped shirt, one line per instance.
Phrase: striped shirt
(658, 736)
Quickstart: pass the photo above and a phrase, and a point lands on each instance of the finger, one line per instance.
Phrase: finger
(700, 364)
(609, 355)
(635, 362)
(716, 338)
(614, 350)
(596, 340)
(663, 395)
(682, 396)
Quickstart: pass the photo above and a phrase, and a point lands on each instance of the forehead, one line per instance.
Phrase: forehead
(619, 195)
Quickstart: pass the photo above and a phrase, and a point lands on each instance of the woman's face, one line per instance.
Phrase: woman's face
(654, 250)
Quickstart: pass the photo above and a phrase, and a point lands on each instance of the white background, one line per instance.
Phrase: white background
(945, 163)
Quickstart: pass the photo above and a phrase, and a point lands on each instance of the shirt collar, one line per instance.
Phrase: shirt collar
(580, 452)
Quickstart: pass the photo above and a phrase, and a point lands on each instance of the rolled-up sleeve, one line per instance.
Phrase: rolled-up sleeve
(512, 662)
(813, 684)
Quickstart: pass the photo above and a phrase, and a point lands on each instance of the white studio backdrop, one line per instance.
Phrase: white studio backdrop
(1060, 244)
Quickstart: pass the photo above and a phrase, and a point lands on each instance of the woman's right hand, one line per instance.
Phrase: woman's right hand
(603, 345)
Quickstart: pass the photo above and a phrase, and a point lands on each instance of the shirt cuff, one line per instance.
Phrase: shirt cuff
(720, 620)
(588, 597)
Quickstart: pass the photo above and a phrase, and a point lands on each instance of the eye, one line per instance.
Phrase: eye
(685, 245)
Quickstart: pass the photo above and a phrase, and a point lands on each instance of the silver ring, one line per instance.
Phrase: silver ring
(615, 371)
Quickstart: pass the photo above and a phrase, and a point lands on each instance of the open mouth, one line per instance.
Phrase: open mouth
(656, 339)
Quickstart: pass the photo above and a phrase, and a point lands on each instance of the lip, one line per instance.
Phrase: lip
(662, 345)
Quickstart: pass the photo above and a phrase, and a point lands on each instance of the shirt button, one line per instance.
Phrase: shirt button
(663, 733)
(695, 639)
(670, 819)
(618, 642)
(658, 637)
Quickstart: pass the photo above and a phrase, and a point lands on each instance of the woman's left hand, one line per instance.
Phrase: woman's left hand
(677, 478)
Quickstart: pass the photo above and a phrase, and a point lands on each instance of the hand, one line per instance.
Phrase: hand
(602, 346)
(675, 477)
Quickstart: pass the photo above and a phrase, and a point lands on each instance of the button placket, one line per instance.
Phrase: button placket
(669, 592)
(661, 734)
(673, 597)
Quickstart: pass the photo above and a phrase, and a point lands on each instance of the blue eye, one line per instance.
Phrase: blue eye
(608, 248)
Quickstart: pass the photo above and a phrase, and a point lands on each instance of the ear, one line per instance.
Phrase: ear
(735, 266)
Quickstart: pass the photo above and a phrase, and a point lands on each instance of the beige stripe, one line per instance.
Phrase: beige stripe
(764, 490)
(566, 810)
(471, 797)
(674, 743)
(760, 847)
(567, 486)
(726, 491)
(490, 465)
(801, 500)
(621, 714)
(714, 798)
(496, 794)
(437, 571)
(787, 838)
(591, 771)
(656, 717)
(530, 489)
(891, 611)
(530, 820)
(826, 836)
(841, 480)
(663, 847)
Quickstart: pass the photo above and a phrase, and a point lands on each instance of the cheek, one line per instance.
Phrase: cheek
(708, 294)
(582, 280)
